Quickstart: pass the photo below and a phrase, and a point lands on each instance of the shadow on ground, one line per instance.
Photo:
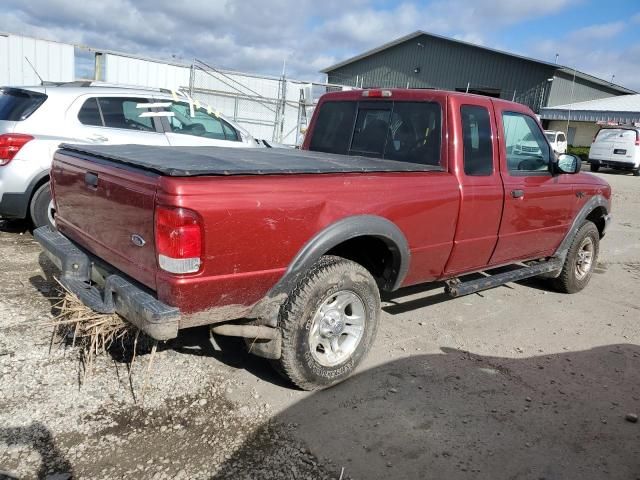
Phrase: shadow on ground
(36, 436)
(459, 415)
(14, 226)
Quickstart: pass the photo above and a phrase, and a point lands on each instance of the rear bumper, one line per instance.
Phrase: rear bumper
(622, 165)
(117, 295)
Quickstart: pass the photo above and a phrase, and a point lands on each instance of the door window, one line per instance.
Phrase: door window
(476, 141)
(527, 149)
(116, 112)
(124, 113)
(201, 124)
(561, 137)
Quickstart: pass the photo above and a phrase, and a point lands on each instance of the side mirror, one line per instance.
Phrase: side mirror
(567, 163)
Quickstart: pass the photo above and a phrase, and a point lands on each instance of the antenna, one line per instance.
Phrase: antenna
(34, 70)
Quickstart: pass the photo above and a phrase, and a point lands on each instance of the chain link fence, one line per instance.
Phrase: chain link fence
(269, 108)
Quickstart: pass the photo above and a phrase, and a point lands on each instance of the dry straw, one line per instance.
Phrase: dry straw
(95, 333)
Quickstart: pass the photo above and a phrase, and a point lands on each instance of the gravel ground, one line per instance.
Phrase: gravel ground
(518, 382)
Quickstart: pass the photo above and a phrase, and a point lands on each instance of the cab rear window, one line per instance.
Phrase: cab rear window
(401, 131)
(17, 104)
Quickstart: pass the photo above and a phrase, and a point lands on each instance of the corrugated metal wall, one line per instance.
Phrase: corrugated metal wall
(584, 131)
(266, 107)
(54, 61)
(562, 94)
(146, 73)
(447, 65)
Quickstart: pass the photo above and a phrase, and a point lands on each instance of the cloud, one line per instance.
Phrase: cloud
(257, 36)
(597, 50)
(602, 31)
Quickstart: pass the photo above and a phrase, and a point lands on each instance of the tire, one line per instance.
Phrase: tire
(636, 172)
(594, 167)
(576, 273)
(40, 207)
(322, 339)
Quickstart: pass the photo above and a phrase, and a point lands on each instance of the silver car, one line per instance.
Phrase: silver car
(35, 120)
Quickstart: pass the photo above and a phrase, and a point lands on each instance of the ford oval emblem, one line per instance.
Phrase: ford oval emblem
(137, 240)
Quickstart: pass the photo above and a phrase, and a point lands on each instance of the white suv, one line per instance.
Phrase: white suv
(35, 120)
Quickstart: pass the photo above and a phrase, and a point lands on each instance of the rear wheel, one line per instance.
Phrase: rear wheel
(636, 172)
(581, 260)
(41, 208)
(595, 167)
(328, 324)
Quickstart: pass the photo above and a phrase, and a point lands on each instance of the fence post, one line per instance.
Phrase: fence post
(192, 79)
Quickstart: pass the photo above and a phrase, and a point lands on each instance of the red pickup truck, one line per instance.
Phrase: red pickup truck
(291, 248)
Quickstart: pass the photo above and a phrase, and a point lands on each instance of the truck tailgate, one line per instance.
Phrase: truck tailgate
(109, 211)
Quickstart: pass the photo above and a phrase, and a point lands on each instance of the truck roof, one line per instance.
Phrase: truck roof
(407, 94)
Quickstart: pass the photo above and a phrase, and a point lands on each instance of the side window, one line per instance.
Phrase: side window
(527, 150)
(124, 113)
(89, 113)
(476, 141)
(561, 137)
(201, 124)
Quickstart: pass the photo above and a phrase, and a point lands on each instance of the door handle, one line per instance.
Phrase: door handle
(91, 180)
(97, 138)
(517, 193)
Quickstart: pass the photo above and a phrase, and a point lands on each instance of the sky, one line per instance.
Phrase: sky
(598, 37)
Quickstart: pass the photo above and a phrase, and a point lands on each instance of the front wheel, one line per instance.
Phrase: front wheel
(41, 208)
(636, 172)
(328, 323)
(581, 260)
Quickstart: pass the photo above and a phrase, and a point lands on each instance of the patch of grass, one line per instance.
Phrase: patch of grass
(582, 152)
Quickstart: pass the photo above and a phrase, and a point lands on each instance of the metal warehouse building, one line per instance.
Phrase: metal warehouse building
(425, 60)
(585, 118)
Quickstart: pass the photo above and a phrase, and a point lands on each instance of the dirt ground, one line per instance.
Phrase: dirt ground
(518, 382)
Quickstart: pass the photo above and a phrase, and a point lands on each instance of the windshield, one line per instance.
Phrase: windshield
(551, 137)
(16, 104)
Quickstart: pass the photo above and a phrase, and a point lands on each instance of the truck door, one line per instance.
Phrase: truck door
(537, 205)
(474, 151)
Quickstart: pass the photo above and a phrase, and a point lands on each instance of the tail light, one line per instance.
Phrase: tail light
(178, 240)
(10, 145)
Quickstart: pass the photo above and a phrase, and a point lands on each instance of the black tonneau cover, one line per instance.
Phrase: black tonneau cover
(194, 161)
